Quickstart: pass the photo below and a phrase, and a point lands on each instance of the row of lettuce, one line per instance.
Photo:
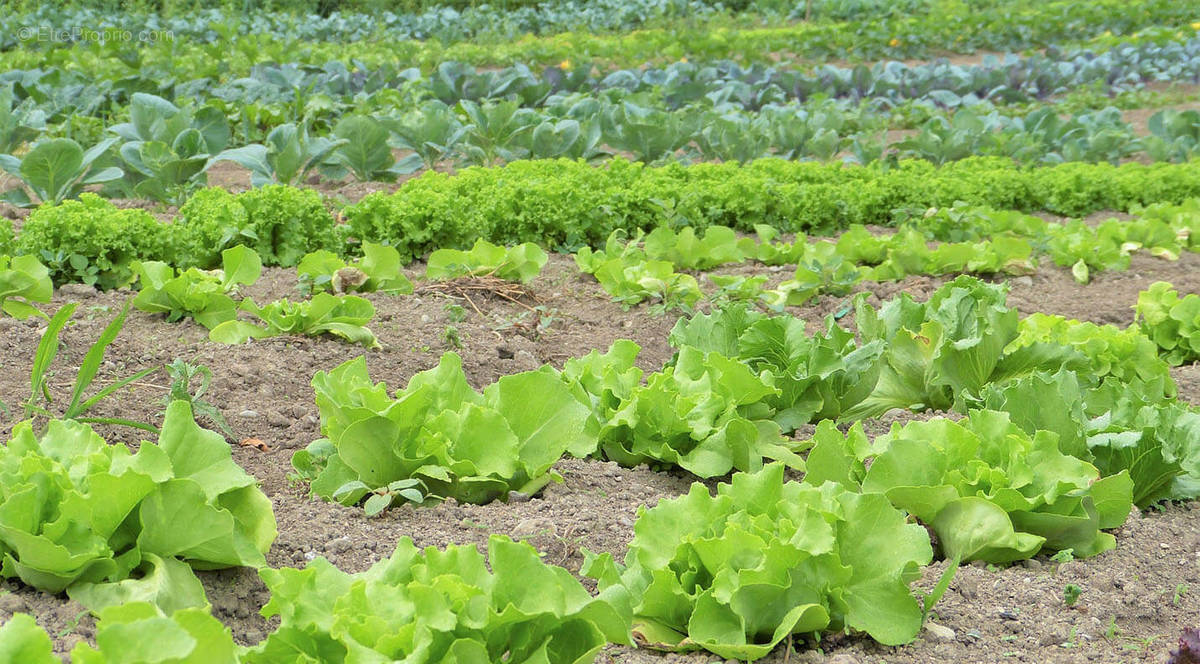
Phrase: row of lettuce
(959, 27)
(567, 204)
(1061, 429)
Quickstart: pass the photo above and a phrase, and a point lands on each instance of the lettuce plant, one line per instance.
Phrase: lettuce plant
(706, 413)
(520, 263)
(816, 377)
(431, 606)
(738, 572)
(377, 270)
(196, 294)
(1116, 426)
(56, 169)
(342, 316)
(91, 241)
(23, 281)
(102, 523)
(951, 345)
(988, 489)
(629, 276)
(452, 441)
(1125, 354)
(21, 640)
(1172, 322)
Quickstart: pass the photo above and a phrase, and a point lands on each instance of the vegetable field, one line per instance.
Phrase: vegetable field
(847, 331)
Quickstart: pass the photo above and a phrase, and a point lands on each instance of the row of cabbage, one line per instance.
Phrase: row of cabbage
(230, 45)
(164, 153)
(325, 91)
(1065, 427)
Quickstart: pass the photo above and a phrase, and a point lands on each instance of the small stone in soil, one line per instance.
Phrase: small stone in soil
(248, 414)
(939, 632)
(11, 603)
(518, 497)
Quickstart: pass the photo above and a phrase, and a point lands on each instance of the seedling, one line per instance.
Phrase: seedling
(1071, 594)
(378, 500)
(47, 350)
(182, 374)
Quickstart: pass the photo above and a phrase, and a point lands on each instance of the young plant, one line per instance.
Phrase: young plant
(23, 281)
(1170, 321)
(168, 148)
(78, 406)
(200, 295)
(343, 316)
(56, 169)
(287, 157)
(378, 270)
(183, 374)
(520, 263)
(742, 571)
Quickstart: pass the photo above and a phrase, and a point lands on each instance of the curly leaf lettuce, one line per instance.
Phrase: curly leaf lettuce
(738, 572)
(435, 605)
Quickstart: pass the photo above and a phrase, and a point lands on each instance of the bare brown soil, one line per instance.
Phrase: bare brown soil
(1134, 602)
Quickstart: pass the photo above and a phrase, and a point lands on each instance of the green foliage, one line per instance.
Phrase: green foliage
(706, 413)
(739, 572)
(377, 270)
(183, 374)
(1118, 426)
(439, 606)
(8, 239)
(1125, 354)
(342, 316)
(23, 281)
(364, 151)
(19, 121)
(56, 169)
(951, 345)
(988, 489)
(629, 276)
(167, 148)
(1172, 322)
(47, 351)
(103, 524)
(573, 204)
(90, 241)
(21, 640)
(280, 223)
(202, 296)
(520, 263)
(818, 377)
(287, 157)
(142, 633)
(453, 441)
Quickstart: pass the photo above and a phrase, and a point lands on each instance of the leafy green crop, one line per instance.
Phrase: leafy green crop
(1126, 355)
(951, 345)
(629, 276)
(817, 377)
(451, 440)
(1117, 426)
(377, 270)
(21, 640)
(440, 606)
(103, 524)
(1172, 322)
(343, 316)
(193, 293)
(56, 169)
(988, 489)
(141, 633)
(739, 572)
(280, 223)
(91, 241)
(520, 263)
(287, 157)
(23, 281)
(707, 414)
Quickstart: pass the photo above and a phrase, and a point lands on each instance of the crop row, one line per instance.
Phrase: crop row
(164, 152)
(1000, 485)
(1006, 26)
(323, 93)
(570, 204)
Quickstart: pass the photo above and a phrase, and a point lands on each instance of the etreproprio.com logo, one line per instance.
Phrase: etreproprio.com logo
(45, 33)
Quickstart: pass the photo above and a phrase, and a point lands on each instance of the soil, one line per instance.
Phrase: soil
(1134, 600)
